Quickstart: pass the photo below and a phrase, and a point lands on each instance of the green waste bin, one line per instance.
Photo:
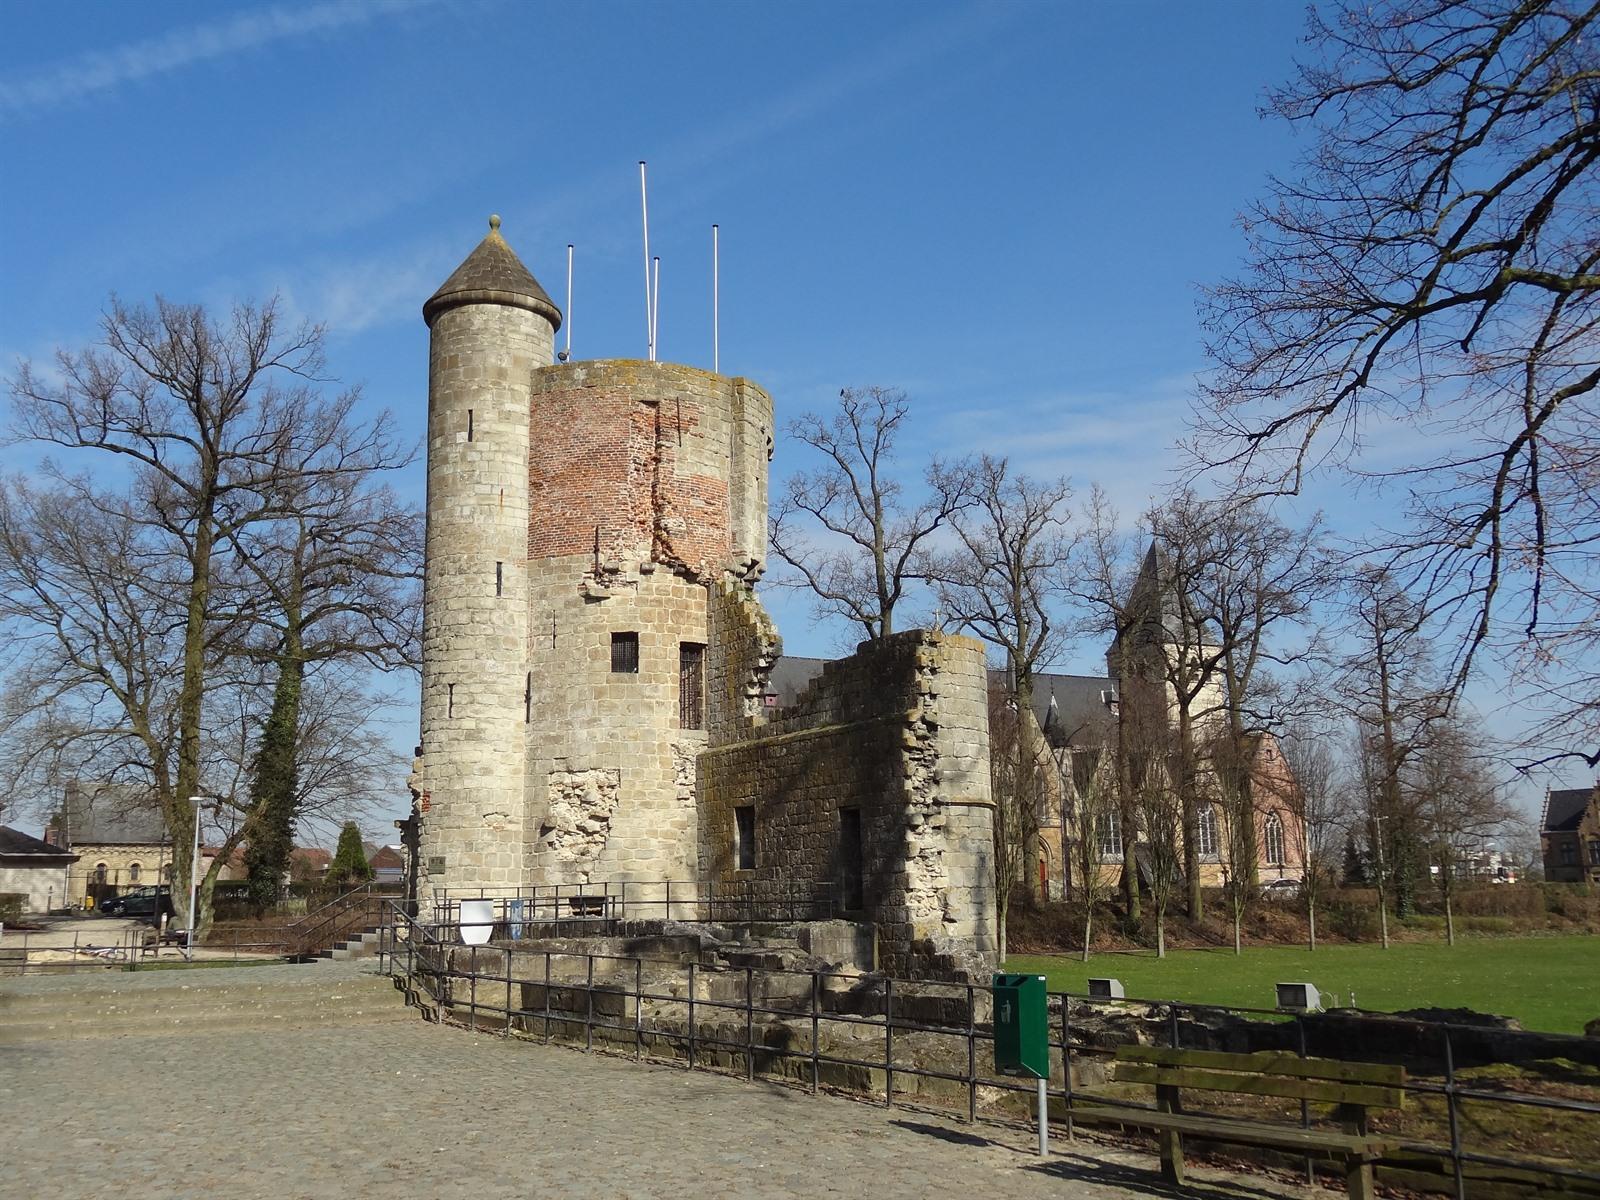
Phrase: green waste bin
(1021, 1026)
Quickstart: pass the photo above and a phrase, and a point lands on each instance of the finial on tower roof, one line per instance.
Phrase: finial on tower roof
(492, 274)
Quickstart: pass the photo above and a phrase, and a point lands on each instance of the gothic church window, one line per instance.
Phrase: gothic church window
(1274, 839)
(1206, 831)
(1108, 829)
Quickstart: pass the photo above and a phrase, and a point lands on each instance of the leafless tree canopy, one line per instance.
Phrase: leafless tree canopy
(214, 517)
(846, 529)
(1431, 273)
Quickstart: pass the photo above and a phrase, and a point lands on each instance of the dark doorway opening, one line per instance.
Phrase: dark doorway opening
(852, 897)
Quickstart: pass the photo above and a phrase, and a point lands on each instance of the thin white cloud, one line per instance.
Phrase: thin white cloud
(86, 74)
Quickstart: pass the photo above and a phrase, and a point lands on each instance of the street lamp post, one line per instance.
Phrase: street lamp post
(194, 862)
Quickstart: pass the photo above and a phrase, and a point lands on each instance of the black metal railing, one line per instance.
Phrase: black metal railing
(895, 1038)
(590, 907)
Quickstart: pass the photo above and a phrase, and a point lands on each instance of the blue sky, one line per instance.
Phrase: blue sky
(1004, 208)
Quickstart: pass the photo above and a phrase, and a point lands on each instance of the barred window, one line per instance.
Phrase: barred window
(691, 686)
(624, 653)
(1206, 831)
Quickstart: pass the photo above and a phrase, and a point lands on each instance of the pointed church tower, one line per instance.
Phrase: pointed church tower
(492, 326)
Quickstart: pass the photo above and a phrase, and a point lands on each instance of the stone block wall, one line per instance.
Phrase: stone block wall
(475, 594)
(647, 486)
(610, 772)
(895, 738)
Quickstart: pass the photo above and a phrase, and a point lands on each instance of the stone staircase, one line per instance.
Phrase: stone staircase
(359, 946)
(185, 1003)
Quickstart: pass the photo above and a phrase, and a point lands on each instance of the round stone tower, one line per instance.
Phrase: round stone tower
(648, 493)
(491, 328)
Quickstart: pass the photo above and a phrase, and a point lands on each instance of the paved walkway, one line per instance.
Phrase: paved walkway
(415, 1110)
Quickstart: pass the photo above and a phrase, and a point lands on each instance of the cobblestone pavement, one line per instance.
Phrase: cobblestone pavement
(422, 1111)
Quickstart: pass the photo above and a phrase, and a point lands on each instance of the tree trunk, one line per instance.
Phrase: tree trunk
(1088, 927)
(1237, 941)
(180, 812)
(1311, 921)
(1161, 934)
(272, 790)
(1191, 824)
(1449, 921)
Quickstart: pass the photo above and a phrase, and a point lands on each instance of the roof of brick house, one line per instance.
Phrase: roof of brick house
(1563, 810)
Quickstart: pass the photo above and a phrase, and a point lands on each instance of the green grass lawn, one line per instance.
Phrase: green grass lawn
(1548, 983)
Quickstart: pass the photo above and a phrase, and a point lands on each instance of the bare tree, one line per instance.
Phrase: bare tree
(1232, 763)
(1016, 782)
(1433, 271)
(1104, 586)
(213, 419)
(1148, 744)
(1178, 643)
(1389, 686)
(846, 529)
(1320, 813)
(337, 576)
(1090, 783)
(1002, 580)
(1256, 582)
(1459, 801)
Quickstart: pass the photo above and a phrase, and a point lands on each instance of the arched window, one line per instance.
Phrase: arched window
(1274, 839)
(100, 873)
(1206, 831)
(133, 872)
(1108, 831)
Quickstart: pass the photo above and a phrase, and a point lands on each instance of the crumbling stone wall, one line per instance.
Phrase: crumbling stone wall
(898, 733)
(647, 487)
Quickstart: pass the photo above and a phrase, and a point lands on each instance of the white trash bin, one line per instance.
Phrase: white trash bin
(477, 921)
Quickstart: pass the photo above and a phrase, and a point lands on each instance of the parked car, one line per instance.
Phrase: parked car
(144, 903)
(1282, 889)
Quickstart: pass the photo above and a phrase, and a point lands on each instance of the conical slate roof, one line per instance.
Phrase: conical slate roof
(492, 274)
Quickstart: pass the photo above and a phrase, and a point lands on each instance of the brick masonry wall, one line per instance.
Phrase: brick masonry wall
(899, 732)
(634, 461)
(647, 485)
(475, 635)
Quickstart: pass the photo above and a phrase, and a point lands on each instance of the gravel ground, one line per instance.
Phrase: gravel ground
(400, 1111)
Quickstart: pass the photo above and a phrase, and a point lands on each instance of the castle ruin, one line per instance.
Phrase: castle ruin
(595, 657)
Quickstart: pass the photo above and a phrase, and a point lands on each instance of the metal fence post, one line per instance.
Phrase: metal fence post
(1455, 1116)
(638, 1018)
(508, 992)
(691, 1016)
(972, 1053)
(472, 986)
(1305, 1105)
(1066, 1058)
(816, 1000)
(888, 1043)
(749, 1024)
(588, 1018)
(547, 996)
